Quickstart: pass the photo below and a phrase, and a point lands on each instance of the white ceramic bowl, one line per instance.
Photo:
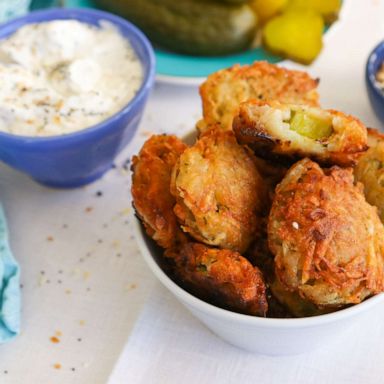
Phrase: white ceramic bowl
(257, 334)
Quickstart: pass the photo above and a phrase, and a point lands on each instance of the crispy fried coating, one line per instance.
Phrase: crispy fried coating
(328, 242)
(222, 277)
(370, 171)
(291, 132)
(224, 90)
(374, 137)
(294, 303)
(151, 178)
(272, 173)
(218, 191)
(282, 303)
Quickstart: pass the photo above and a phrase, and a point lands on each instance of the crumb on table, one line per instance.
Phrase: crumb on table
(55, 339)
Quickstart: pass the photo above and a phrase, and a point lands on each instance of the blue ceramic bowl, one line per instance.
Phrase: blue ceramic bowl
(81, 157)
(375, 93)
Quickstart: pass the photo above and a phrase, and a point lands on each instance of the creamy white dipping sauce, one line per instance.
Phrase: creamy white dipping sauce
(63, 76)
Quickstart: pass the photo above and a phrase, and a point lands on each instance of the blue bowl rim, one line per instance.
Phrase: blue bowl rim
(376, 54)
(72, 13)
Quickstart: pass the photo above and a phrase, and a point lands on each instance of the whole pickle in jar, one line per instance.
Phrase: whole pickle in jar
(196, 27)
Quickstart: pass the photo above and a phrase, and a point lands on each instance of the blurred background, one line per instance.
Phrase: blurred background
(14, 8)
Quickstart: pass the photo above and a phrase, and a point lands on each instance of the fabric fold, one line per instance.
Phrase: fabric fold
(9, 288)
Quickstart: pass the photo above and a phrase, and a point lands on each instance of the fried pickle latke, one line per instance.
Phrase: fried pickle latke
(218, 191)
(221, 277)
(224, 90)
(328, 242)
(294, 303)
(282, 303)
(370, 171)
(291, 132)
(374, 137)
(271, 173)
(152, 199)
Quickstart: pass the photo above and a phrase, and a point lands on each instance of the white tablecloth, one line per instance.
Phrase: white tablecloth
(92, 311)
(170, 346)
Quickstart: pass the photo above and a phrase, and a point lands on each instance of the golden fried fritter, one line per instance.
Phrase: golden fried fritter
(370, 171)
(374, 137)
(291, 131)
(328, 242)
(151, 178)
(281, 301)
(272, 173)
(218, 191)
(294, 303)
(222, 277)
(224, 90)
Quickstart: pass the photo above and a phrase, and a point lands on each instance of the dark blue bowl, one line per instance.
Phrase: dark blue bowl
(81, 157)
(375, 93)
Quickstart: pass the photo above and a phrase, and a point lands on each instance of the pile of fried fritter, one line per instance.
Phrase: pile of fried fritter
(274, 210)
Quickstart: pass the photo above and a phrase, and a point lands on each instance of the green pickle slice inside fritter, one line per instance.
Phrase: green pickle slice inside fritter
(310, 126)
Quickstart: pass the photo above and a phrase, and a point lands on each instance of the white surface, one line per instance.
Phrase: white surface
(90, 290)
(167, 345)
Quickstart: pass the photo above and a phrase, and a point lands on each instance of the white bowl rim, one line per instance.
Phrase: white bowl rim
(248, 320)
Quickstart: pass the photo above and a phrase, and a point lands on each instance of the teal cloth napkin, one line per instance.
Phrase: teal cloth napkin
(9, 287)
